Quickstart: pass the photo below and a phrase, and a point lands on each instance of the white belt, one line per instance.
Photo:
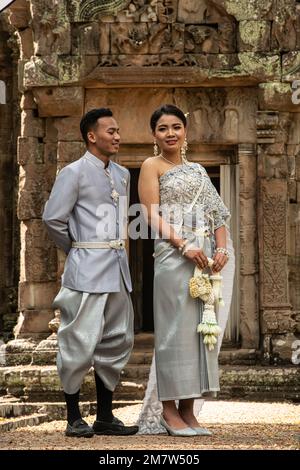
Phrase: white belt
(115, 244)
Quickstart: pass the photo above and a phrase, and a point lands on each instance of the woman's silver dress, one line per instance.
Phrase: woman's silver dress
(185, 368)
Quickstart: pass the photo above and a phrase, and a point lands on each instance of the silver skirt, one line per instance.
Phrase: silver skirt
(185, 367)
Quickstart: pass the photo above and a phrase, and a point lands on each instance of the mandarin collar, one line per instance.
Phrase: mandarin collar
(96, 160)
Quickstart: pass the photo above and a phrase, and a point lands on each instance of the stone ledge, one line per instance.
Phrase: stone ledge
(33, 383)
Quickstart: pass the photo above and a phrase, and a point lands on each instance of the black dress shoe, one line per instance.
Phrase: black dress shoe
(79, 429)
(114, 428)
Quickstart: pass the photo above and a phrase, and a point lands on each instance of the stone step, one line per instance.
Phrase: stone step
(34, 383)
(136, 372)
(141, 357)
(144, 341)
(55, 411)
(10, 424)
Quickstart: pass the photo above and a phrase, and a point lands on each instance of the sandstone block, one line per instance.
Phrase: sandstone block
(30, 151)
(36, 295)
(31, 126)
(59, 101)
(70, 151)
(38, 261)
(254, 36)
(33, 321)
(68, 129)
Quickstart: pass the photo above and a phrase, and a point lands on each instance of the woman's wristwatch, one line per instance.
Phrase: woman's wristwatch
(224, 251)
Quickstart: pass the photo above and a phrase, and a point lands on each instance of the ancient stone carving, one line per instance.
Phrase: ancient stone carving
(129, 39)
(191, 11)
(51, 27)
(91, 9)
(284, 34)
(274, 207)
(166, 38)
(201, 39)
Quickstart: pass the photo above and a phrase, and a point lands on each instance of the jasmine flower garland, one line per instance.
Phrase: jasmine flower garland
(209, 289)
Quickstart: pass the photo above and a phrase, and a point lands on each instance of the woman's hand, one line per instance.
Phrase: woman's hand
(197, 256)
(219, 262)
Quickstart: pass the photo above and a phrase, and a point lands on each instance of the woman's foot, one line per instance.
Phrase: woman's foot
(174, 420)
(188, 418)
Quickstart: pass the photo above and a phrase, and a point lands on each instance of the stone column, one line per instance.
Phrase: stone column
(249, 318)
(273, 200)
(9, 124)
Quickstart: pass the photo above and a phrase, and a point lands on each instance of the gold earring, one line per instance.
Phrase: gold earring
(155, 149)
(183, 151)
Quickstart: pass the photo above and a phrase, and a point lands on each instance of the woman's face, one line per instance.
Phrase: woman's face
(169, 133)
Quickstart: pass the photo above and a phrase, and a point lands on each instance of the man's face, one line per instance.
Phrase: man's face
(105, 136)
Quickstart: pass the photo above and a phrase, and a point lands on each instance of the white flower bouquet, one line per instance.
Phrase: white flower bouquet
(209, 289)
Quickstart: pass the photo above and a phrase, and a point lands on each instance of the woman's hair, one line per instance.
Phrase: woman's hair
(169, 109)
(89, 120)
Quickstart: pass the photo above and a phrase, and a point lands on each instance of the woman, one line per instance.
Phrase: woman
(184, 208)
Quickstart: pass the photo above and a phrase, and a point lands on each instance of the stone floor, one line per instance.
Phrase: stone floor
(235, 425)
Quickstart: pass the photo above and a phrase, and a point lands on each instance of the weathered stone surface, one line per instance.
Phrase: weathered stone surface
(52, 30)
(272, 166)
(135, 130)
(37, 173)
(68, 129)
(30, 151)
(26, 43)
(284, 346)
(291, 66)
(19, 14)
(254, 36)
(39, 72)
(225, 115)
(50, 131)
(86, 41)
(277, 96)
(277, 321)
(31, 126)
(33, 296)
(27, 101)
(273, 243)
(247, 10)
(70, 151)
(249, 323)
(38, 254)
(33, 321)
(59, 101)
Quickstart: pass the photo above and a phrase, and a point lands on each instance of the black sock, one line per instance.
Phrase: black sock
(73, 412)
(104, 396)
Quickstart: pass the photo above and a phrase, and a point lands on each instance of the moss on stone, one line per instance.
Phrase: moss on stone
(248, 9)
(253, 32)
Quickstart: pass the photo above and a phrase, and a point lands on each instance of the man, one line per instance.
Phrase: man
(84, 216)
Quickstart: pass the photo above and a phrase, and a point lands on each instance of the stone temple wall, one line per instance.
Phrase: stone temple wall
(9, 226)
(231, 64)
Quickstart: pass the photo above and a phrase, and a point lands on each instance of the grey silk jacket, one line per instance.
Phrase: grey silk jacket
(81, 208)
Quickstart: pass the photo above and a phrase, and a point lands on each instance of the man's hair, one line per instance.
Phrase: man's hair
(89, 121)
